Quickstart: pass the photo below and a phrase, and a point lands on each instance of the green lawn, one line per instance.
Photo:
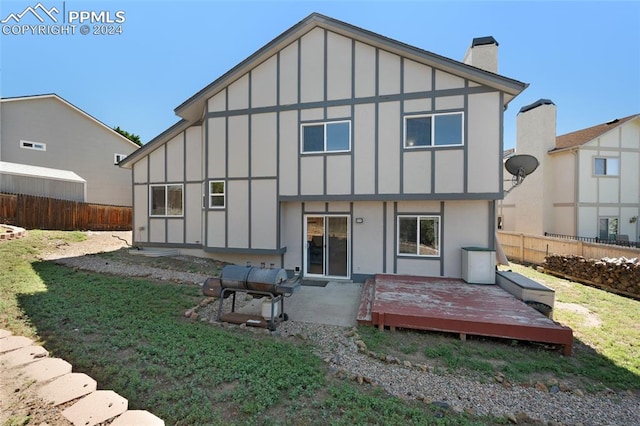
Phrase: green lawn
(130, 335)
(606, 344)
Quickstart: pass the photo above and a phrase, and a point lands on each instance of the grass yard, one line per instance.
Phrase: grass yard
(130, 335)
(606, 344)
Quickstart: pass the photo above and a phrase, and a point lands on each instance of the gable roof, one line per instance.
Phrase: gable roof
(70, 105)
(192, 109)
(580, 137)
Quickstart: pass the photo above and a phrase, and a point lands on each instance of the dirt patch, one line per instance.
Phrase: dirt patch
(590, 319)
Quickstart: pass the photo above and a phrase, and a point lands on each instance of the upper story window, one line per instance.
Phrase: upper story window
(118, 158)
(333, 136)
(38, 146)
(606, 166)
(419, 236)
(165, 200)
(433, 130)
(216, 194)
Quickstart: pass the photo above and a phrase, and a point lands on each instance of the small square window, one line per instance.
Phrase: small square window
(606, 166)
(118, 158)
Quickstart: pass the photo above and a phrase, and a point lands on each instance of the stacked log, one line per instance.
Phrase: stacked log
(619, 275)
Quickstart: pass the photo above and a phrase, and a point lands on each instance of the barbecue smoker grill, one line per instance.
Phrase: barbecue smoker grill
(260, 282)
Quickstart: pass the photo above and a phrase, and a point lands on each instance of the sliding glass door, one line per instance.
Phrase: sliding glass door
(327, 246)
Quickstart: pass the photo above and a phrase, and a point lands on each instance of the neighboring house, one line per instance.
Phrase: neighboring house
(335, 151)
(49, 146)
(588, 181)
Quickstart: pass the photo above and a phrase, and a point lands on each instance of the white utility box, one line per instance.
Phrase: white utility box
(478, 265)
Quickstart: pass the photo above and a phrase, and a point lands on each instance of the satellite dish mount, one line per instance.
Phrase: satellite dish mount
(520, 166)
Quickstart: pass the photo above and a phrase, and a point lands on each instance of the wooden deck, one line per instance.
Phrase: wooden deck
(451, 305)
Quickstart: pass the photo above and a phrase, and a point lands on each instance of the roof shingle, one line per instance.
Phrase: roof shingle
(583, 136)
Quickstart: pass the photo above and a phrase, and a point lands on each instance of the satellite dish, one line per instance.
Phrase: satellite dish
(520, 166)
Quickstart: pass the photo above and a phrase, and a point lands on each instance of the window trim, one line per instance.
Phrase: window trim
(433, 130)
(606, 160)
(36, 146)
(324, 124)
(223, 195)
(166, 199)
(418, 217)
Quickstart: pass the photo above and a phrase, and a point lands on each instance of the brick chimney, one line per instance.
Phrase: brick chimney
(483, 53)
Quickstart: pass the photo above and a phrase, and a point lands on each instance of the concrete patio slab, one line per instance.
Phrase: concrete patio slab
(47, 369)
(138, 418)
(24, 355)
(68, 387)
(97, 407)
(4, 333)
(335, 304)
(11, 343)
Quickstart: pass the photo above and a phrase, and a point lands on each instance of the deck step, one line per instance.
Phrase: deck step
(366, 302)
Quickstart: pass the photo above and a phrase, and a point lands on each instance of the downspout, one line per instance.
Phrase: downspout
(576, 190)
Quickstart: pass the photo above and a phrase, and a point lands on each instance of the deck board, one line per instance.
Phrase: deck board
(451, 305)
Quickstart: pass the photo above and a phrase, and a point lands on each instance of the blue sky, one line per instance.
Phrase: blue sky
(585, 56)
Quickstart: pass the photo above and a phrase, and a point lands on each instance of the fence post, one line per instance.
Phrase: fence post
(522, 248)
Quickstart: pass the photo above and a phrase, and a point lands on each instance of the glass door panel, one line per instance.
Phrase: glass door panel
(315, 245)
(337, 249)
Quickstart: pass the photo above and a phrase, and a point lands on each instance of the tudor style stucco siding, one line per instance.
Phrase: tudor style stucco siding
(614, 196)
(307, 148)
(255, 139)
(74, 141)
(374, 234)
(179, 163)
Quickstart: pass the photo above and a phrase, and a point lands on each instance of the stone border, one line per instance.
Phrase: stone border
(57, 385)
(13, 233)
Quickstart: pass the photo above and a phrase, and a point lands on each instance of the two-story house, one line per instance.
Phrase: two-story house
(335, 151)
(588, 181)
(51, 148)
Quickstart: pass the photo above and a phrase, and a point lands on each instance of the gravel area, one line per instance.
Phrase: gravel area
(347, 358)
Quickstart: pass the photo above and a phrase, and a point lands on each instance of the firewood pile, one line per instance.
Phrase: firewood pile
(619, 275)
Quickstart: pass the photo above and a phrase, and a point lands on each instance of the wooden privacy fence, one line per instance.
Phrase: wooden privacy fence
(533, 248)
(31, 212)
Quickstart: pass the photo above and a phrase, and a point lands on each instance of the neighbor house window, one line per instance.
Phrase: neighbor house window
(216, 194)
(334, 136)
(118, 158)
(433, 130)
(419, 235)
(606, 166)
(608, 228)
(38, 146)
(166, 200)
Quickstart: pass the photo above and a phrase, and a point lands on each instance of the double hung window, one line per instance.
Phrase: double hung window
(216, 194)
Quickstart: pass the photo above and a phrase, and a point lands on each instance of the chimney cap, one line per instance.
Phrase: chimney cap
(481, 41)
(536, 104)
